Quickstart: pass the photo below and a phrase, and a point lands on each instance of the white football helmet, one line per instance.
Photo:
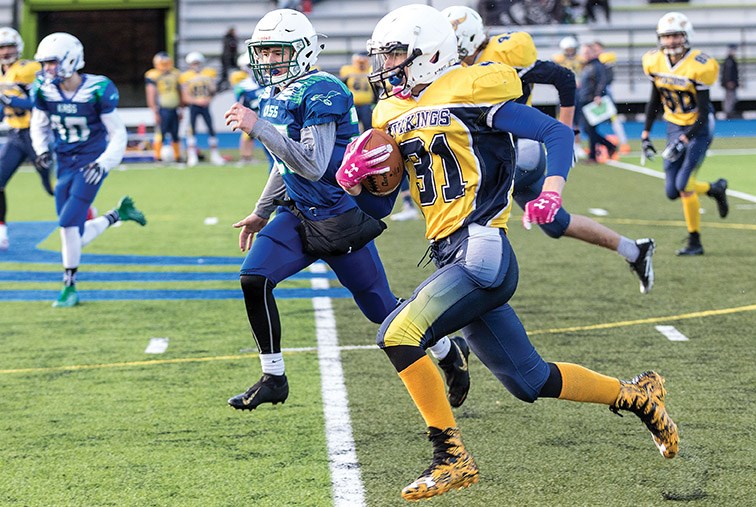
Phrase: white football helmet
(468, 27)
(292, 33)
(242, 61)
(195, 57)
(10, 37)
(673, 23)
(63, 48)
(425, 39)
(568, 42)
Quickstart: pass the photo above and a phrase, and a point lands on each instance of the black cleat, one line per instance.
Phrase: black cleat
(718, 192)
(691, 250)
(454, 366)
(269, 389)
(643, 265)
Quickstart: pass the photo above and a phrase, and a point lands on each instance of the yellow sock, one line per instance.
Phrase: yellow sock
(699, 187)
(426, 387)
(176, 151)
(581, 384)
(158, 148)
(692, 212)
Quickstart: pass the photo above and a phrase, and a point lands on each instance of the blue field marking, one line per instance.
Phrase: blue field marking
(26, 236)
(143, 276)
(166, 295)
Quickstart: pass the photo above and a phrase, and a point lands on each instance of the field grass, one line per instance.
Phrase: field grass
(88, 419)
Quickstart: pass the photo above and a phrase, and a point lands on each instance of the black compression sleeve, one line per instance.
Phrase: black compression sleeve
(703, 113)
(652, 108)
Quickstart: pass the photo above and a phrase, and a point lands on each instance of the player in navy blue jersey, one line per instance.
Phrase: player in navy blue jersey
(75, 126)
(306, 120)
(518, 50)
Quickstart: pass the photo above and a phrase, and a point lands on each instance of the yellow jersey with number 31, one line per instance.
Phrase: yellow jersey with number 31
(678, 84)
(461, 171)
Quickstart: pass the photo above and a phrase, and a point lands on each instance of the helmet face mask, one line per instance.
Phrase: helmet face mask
(410, 46)
(388, 81)
(674, 24)
(65, 50)
(283, 47)
(10, 38)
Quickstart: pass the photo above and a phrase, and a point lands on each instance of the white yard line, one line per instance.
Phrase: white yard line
(672, 334)
(346, 480)
(657, 174)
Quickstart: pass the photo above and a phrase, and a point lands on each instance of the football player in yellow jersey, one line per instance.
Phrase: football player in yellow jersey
(197, 91)
(681, 79)
(453, 125)
(164, 99)
(355, 77)
(15, 84)
(518, 50)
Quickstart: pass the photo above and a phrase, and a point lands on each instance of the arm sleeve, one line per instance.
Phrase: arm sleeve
(21, 103)
(39, 129)
(309, 157)
(703, 114)
(562, 78)
(530, 123)
(116, 147)
(652, 108)
(274, 189)
(377, 206)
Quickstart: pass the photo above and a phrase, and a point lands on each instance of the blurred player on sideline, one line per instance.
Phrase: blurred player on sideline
(681, 79)
(517, 50)
(164, 99)
(453, 124)
(197, 91)
(75, 115)
(15, 85)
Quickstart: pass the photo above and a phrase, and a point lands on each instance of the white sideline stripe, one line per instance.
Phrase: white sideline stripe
(156, 346)
(660, 175)
(672, 333)
(346, 480)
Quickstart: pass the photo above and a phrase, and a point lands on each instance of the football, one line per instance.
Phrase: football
(384, 184)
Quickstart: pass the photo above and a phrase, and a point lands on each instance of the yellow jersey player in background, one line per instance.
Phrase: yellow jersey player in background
(681, 79)
(355, 77)
(609, 59)
(570, 59)
(518, 50)
(15, 84)
(454, 127)
(164, 99)
(198, 87)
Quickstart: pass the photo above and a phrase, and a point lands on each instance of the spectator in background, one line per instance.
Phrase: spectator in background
(355, 76)
(593, 80)
(590, 14)
(730, 82)
(228, 57)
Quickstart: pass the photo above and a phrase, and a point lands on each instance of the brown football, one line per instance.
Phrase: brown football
(384, 184)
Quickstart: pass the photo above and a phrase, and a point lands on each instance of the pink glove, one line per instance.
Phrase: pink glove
(542, 209)
(359, 164)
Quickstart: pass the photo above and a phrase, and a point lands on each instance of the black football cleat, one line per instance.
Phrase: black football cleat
(454, 366)
(269, 389)
(690, 249)
(718, 192)
(643, 265)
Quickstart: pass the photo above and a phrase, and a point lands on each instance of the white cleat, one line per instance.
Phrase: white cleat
(216, 158)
